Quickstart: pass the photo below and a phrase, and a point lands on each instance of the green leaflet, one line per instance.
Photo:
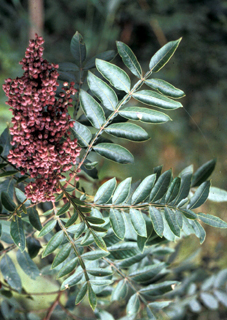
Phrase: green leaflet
(72, 219)
(146, 273)
(72, 280)
(128, 131)
(5, 140)
(221, 296)
(81, 133)
(92, 109)
(133, 305)
(163, 55)
(34, 219)
(144, 115)
(120, 291)
(103, 92)
(143, 190)
(200, 195)
(129, 59)
(106, 55)
(77, 229)
(160, 304)
(94, 255)
(209, 300)
(199, 230)
(68, 267)
(95, 220)
(159, 288)
(7, 202)
(165, 88)
(9, 273)
(188, 213)
(81, 294)
(172, 222)
(91, 297)
(114, 152)
(21, 197)
(78, 48)
(101, 282)
(123, 250)
(47, 228)
(184, 187)
(99, 240)
(63, 209)
(17, 232)
(117, 223)
(161, 186)
(54, 243)
(157, 220)
(115, 75)
(99, 272)
(154, 99)
(173, 190)
(203, 173)
(62, 255)
(105, 192)
(121, 193)
(27, 264)
(212, 220)
(217, 195)
(138, 222)
(8, 173)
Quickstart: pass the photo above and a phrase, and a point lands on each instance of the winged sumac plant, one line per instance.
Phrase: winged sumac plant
(110, 246)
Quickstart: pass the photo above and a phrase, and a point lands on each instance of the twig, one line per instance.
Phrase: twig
(53, 306)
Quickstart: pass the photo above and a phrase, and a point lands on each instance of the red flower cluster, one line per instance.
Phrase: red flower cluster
(41, 135)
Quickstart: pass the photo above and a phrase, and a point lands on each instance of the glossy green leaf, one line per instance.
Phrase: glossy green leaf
(105, 192)
(209, 300)
(217, 195)
(21, 197)
(81, 133)
(123, 250)
(188, 214)
(114, 152)
(144, 115)
(128, 131)
(63, 209)
(78, 48)
(146, 273)
(81, 294)
(161, 186)
(95, 220)
(163, 55)
(62, 255)
(221, 296)
(200, 195)
(103, 92)
(159, 305)
(133, 305)
(143, 190)
(54, 243)
(5, 140)
(157, 220)
(173, 190)
(104, 315)
(99, 241)
(115, 75)
(99, 272)
(165, 88)
(184, 187)
(91, 297)
(159, 288)
(154, 99)
(17, 232)
(7, 202)
(122, 191)
(9, 273)
(92, 109)
(199, 231)
(27, 264)
(8, 173)
(72, 280)
(179, 218)
(129, 59)
(34, 219)
(138, 222)
(117, 223)
(68, 267)
(94, 255)
(47, 228)
(172, 222)
(98, 228)
(203, 173)
(101, 282)
(120, 291)
(106, 55)
(77, 229)
(212, 220)
(72, 219)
